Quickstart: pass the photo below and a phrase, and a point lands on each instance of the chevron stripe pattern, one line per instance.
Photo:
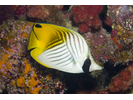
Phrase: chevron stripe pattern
(68, 53)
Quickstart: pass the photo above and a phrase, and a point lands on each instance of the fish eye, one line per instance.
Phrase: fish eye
(38, 26)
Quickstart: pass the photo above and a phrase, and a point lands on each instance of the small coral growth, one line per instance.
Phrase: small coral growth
(45, 13)
(123, 81)
(21, 10)
(87, 17)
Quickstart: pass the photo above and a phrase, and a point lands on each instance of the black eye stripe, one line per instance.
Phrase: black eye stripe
(34, 31)
(38, 26)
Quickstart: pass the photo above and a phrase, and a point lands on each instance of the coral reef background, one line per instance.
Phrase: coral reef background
(107, 30)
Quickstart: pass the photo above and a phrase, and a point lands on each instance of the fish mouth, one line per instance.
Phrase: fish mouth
(31, 49)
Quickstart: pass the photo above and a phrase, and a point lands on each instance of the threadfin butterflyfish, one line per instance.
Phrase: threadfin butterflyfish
(60, 48)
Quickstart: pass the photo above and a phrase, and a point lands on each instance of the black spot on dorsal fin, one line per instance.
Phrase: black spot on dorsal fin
(86, 65)
(38, 26)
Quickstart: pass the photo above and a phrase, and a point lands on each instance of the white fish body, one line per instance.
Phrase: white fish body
(68, 55)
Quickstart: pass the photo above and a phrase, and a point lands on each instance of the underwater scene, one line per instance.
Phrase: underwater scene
(66, 49)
